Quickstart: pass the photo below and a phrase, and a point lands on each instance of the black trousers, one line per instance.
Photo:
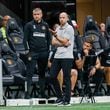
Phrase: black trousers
(65, 65)
(41, 59)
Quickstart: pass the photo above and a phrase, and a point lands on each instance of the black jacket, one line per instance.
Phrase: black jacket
(37, 36)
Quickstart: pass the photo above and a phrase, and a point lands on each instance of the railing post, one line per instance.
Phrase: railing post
(1, 81)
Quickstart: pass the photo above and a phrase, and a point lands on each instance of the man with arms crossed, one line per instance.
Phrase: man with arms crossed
(63, 59)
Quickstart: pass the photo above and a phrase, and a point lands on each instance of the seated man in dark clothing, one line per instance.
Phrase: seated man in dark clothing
(93, 72)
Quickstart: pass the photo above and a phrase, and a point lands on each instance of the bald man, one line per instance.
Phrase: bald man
(63, 59)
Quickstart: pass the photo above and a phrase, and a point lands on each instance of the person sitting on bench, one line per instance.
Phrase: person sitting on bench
(94, 71)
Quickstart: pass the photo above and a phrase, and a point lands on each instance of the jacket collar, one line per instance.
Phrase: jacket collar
(63, 27)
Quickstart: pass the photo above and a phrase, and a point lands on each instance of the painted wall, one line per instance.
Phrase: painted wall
(105, 12)
(100, 9)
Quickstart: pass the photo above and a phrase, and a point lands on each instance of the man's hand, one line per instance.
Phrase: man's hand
(92, 71)
(63, 41)
(86, 52)
(54, 33)
(67, 44)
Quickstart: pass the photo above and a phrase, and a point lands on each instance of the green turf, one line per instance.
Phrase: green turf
(103, 106)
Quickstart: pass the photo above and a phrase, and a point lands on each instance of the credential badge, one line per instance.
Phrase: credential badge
(43, 27)
(34, 27)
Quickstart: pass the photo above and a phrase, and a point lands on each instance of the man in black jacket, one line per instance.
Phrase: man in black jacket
(37, 37)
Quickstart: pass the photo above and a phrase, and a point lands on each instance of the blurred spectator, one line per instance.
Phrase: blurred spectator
(105, 57)
(4, 24)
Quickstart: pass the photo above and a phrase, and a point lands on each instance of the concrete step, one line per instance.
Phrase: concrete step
(43, 101)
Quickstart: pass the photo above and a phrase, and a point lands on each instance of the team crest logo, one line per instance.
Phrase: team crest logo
(43, 27)
(9, 61)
